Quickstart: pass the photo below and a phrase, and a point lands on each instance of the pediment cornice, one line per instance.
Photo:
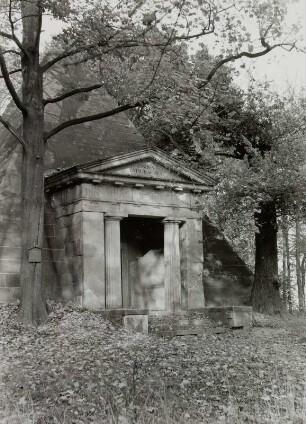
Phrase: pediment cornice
(146, 166)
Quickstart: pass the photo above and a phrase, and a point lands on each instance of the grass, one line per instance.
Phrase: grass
(79, 368)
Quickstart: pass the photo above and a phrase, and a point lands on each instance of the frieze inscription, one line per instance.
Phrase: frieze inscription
(148, 170)
(145, 169)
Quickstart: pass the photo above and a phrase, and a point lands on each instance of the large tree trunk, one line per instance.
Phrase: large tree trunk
(284, 277)
(265, 293)
(33, 307)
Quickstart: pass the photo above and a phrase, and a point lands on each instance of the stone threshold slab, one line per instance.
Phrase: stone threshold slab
(229, 317)
(192, 332)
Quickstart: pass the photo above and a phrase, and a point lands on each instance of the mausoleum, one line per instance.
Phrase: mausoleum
(135, 222)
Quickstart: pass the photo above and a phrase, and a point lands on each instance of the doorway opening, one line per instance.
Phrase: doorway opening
(142, 263)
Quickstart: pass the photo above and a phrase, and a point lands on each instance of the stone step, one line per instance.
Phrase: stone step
(192, 332)
(183, 324)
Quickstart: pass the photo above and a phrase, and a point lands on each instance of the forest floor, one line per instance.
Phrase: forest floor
(79, 368)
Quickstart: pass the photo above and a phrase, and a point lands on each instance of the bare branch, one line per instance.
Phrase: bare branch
(90, 118)
(232, 58)
(14, 131)
(9, 84)
(6, 35)
(114, 50)
(196, 119)
(11, 51)
(175, 143)
(12, 72)
(14, 37)
(225, 154)
(69, 53)
(32, 15)
(72, 93)
(293, 46)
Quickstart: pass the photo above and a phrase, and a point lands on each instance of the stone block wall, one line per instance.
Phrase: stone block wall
(73, 254)
(62, 267)
(227, 279)
(10, 239)
(192, 264)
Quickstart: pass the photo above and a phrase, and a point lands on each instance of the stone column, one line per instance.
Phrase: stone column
(172, 264)
(113, 262)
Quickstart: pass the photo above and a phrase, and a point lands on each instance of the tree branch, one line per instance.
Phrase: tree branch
(175, 143)
(163, 51)
(72, 93)
(12, 51)
(9, 84)
(39, 5)
(227, 155)
(90, 118)
(64, 55)
(208, 29)
(114, 49)
(6, 35)
(196, 119)
(129, 43)
(14, 37)
(12, 72)
(13, 131)
(232, 58)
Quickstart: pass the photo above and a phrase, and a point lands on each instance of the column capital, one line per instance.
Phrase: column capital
(171, 220)
(113, 218)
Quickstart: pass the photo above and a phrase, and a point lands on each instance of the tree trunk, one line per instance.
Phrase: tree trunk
(33, 307)
(303, 277)
(284, 279)
(265, 294)
(288, 261)
(298, 263)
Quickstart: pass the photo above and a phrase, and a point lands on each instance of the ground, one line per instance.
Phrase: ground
(79, 368)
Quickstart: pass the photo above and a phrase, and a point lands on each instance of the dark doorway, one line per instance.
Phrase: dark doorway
(142, 254)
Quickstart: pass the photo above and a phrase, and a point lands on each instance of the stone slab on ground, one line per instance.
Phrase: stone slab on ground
(136, 323)
(185, 320)
(232, 316)
(192, 331)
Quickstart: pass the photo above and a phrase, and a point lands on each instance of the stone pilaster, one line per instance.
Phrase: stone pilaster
(172, 264)
(192, 264)
(93, 260)
(113, 262)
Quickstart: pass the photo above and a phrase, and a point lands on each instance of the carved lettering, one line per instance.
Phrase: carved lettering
(146, 169)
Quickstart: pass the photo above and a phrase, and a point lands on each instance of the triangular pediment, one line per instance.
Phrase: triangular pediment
(143, 167)
(148, 169)
(148, 164)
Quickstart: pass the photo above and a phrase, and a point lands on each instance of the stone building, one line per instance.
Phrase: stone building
(123, 230)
